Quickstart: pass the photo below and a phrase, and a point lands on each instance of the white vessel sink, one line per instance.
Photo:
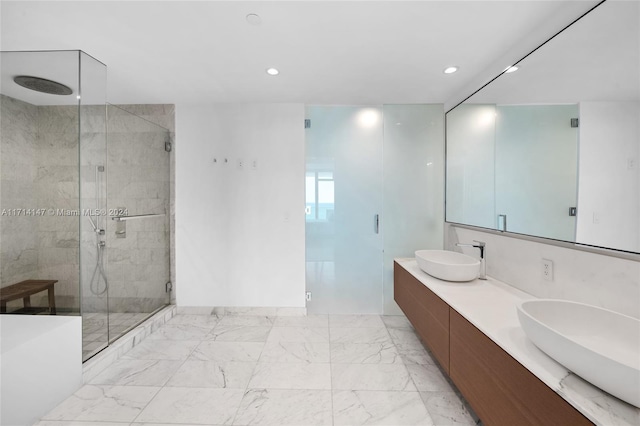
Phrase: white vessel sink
(601, 346)
(448, 265)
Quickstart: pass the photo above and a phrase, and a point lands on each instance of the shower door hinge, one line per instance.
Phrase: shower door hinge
(307, 123)
(167, 146)
(307, 296)
(168, 287)
(575, 122)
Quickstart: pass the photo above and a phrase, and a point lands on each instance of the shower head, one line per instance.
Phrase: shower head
(42, 85)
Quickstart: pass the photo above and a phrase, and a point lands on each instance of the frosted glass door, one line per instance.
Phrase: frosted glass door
(536, 169)
(343, 208)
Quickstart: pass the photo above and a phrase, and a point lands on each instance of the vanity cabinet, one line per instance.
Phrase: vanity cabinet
(428, 314)
(500, 390)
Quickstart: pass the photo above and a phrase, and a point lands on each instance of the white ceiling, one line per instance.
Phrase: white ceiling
(596, 59)
(328, 52)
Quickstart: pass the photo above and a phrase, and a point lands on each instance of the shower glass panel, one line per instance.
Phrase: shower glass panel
(343, 207)
(39, 182)
(93, 220)
(137, 238)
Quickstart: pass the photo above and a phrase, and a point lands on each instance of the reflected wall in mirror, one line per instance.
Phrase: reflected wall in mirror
(552, 150)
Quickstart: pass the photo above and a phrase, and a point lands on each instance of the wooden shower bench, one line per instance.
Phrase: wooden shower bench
(23, 290)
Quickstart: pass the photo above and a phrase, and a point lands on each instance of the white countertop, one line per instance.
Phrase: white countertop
(490, 305)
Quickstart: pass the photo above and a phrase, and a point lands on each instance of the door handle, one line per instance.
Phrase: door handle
(377, 223)
(502, 222)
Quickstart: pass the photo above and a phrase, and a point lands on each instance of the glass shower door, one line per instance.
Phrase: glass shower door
(138, 230)
(343, 204)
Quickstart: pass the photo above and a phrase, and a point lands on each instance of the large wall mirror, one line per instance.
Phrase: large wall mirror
(552, 149)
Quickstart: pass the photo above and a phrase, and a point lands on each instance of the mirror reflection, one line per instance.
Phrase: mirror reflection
(551, 149)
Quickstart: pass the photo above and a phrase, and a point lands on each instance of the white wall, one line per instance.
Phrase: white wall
(609, 192)
(240, 231)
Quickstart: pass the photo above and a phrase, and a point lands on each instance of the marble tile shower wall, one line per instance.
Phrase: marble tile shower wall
(18, 170)
(57, 187)
(39, 171)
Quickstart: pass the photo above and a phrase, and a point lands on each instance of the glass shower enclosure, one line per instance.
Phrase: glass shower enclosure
(84, 197)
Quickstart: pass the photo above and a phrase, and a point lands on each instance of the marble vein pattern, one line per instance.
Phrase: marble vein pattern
(248, 368)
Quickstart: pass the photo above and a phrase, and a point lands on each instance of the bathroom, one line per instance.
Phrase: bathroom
(234, 164)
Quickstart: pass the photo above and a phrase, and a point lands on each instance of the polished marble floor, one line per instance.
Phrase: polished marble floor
(256, 370)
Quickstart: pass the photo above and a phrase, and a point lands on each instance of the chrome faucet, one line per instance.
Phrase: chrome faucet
(483, 266)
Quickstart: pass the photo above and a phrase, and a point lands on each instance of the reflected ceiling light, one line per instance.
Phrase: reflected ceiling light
(273, 71)
(368, 117)
(450, 70)
(253, 19)
(486, 118)
(511, 69)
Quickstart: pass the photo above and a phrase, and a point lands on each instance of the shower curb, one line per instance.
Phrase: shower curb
(124, 344)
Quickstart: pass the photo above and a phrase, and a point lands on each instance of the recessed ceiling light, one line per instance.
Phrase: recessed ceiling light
(450, 70)
(512, 68)
(272, 71)
(254, 19)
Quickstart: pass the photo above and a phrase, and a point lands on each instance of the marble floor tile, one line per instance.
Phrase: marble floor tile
(291, 376)
(228, 351)
(74, 423)
(166, 424)
(239, 333)
(181, 332)
(247, 321)
(428, 378)
(392, 377)
(411, 354)
(447, 409)
(355, 321)
(104, 403)
(213, 374)
(359, 335)
(192, 405)
(396, 321)
(266, 370)
(199, 320)
(351, 408)
(405, 337)
(365, 353)
(137, 372)
(162, 349)
(299, 334)
(276, 407)
(303, 321)
(306, 352)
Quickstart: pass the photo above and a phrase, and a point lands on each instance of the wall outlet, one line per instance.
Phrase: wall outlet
(547, 269)
(240, 164)
(254, 165)
(307, 296)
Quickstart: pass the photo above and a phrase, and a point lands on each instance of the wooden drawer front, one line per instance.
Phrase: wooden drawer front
(500, 389)
(426, 311)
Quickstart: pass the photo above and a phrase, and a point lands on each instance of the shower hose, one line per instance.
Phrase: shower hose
(98, 272)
